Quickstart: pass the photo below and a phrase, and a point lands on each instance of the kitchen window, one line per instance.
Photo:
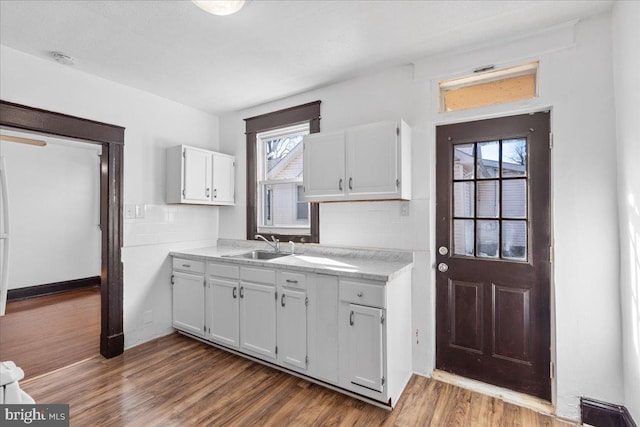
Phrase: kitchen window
(275, 191)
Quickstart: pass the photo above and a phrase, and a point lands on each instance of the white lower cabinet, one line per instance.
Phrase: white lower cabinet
(223, 311)
(292, 321)
(365, 336)
(348, 333)
(187, 282)
(258, 319)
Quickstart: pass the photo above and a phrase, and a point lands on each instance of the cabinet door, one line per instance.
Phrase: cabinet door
(372, 161)
(188, 303)
(258, 319)
(223, 179)
(197, 175)
(365, 346)
(223, 312)
(292, 328)
(324, 166)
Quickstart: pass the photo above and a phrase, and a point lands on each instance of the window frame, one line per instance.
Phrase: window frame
(305, 113)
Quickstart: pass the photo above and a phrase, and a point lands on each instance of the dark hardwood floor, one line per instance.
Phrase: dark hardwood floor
(177, 381)
(49, 332)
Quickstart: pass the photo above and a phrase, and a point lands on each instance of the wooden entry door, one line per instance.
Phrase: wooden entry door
(493, 252)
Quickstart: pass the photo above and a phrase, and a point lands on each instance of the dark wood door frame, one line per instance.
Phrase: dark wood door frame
(111, 138)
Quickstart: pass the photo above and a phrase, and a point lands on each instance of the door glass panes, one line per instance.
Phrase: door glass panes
(514, 198)
(463, 236)
(488, 154)
(514, 240)
(490, 199)
(464, 161)
(488, 232)
(514, 157)
(464, 199)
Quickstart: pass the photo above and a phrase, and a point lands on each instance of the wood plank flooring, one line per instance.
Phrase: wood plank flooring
(177, 381)
(49, 332)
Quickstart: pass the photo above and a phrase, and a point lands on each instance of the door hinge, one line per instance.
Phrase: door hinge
(184, 154)
(306, 360)
(382, 319)
(184, 193)
(306, 301)
(204, 283)
(276, 295)
(276, 349)
(552, 370)
(382, 381)
(397, 183)
(551, 254)
(550, 140)
(397, 131)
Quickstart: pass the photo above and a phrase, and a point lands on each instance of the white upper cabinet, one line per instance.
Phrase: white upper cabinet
(198, 176)
(369, 162)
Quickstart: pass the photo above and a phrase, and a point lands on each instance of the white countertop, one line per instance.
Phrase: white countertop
(363, 264)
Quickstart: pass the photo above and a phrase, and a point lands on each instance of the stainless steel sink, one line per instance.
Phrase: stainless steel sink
(258, 255)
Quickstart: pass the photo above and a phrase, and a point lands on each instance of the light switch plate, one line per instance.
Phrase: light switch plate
(141, 210)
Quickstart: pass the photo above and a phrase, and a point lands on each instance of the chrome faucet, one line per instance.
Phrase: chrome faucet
(275, 245)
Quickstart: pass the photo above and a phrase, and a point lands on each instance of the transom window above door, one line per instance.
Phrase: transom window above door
(281, 206)
(490, 199)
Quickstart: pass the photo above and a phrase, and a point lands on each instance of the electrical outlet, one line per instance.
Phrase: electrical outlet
(129, 211)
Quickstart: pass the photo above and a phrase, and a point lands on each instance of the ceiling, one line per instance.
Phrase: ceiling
(268, 50)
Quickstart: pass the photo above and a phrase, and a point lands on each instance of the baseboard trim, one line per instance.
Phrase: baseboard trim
(52, 288)
(598, 413)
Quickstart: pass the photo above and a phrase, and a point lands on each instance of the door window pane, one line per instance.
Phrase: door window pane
(488, 199)
(514, 198)
(514, 240)
(488, 232)
(488, 165)
(463, 161)
(464, 199)
(514, 157)
(463, 237)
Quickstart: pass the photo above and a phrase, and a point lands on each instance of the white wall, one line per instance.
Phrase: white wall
(54, 212)
(626, 70)
(576, 83)
(152, 124)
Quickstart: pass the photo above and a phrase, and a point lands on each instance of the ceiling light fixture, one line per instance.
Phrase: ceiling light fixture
(62, 58)
(219, 7)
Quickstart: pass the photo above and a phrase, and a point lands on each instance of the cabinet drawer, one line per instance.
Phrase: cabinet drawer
(363, 293)
(223, 270)
(292, 280)
(258, 275)
(188, 265)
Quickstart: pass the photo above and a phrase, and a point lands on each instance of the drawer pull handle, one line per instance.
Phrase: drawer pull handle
(235, 292)
(360, 294)
(186, 265)
(351, 318)
(241, 291)
(291, 281)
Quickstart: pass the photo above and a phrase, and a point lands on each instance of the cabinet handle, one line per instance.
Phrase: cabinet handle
(173, 280)
(351, 318)
(186, 265)
(235, 292)
(360, 294)
(350, 183)
(208, 192)
(282, 300)
(215, 193)
(291, 281)
(241, 291)
(340, 184)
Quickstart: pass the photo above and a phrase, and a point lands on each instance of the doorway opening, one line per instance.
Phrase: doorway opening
(111, 140)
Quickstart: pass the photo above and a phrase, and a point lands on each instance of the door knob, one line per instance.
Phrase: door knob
(442, 267)
(442, 250)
